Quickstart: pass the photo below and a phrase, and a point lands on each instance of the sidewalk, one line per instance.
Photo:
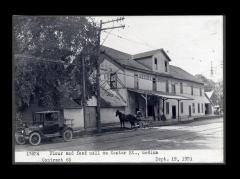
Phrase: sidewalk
(115, 127)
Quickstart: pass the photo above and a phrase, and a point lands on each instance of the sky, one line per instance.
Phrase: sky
(192, 42)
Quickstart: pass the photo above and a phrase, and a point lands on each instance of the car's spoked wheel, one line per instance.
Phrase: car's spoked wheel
(141, 125)
(20, 139)
(35, 138)
(67, 135)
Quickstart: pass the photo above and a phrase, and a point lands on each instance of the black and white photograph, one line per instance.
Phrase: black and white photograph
(118, 89)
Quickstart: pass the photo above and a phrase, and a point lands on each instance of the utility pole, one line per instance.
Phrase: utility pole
(84, 90)
(98, 80)
(98, 66)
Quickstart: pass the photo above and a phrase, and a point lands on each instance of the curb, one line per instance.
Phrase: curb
(117, 129)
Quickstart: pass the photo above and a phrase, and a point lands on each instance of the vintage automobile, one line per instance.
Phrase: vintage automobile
(45, 124)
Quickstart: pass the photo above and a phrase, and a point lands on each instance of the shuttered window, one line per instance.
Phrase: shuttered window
(167, 107)
(181, 107)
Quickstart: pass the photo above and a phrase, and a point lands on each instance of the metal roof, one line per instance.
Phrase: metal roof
(163, 95)
(44, 112)
(126, 61)
(150, 54)
(122, 58)
(179, 73)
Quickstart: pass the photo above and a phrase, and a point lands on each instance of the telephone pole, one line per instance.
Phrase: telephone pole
(84, 89)
(98, 65)
(211, 69)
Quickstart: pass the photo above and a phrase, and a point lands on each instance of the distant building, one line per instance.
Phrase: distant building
(209, 106)
(213, 108)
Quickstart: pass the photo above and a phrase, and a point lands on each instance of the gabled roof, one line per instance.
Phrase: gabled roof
(179, 73)
(122, 58)
(208, 99)
(126, 61)
(68, 103)
(150, 54)
(209, 94)
(116, 53)
(146, 54)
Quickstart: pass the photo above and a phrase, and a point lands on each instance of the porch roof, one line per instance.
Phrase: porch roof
(156, 93)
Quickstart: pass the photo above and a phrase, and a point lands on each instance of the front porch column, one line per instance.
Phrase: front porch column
(146, 103)
(178, 109)
(163, 105)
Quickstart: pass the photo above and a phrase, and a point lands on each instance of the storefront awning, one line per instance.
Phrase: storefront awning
(155, 93)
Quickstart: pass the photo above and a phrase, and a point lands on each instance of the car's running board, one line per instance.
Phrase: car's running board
(79, 130)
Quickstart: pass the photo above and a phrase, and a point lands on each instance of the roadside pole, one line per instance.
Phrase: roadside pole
(98, 80)
(98, 117)
(84, 91)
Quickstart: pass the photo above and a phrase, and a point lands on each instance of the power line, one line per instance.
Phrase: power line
(139, 36)
(106, 37)
(130, 40)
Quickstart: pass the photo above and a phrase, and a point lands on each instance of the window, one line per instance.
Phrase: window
(181, 88)
(167, 87)
(200, 91)
(202, 107)
(165, 62)
(154, 84)
(136, 82)
(173, 88)
(167, 107)
(198, 108)
(113, 80)
(155, 63)
(38, 118)
(181, 107)
(191, 90)
(193, 107)
(51, 117)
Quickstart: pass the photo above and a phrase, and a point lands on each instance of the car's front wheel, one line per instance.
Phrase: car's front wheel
(35, 138)
(20, 140)
(67, 135)
(141, 125)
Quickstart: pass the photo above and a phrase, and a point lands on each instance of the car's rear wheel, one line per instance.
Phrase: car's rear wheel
(20, 140)
(67, 135)
(35, 138)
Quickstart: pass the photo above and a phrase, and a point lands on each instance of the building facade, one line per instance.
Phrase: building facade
(148, 83)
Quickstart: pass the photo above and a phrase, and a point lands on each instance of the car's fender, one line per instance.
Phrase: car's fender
(65, 128)
(35, 130)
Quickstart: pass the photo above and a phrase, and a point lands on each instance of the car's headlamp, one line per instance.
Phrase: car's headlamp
(40, 126)
(27, 131)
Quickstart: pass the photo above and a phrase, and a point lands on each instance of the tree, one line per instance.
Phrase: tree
(46, 40)
(217, 87)
(209, 85)
(218, 94)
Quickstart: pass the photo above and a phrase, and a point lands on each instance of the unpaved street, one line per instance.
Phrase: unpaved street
(205, 134)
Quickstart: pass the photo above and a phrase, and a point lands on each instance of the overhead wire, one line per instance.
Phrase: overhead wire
(106, 37)
(128, 39)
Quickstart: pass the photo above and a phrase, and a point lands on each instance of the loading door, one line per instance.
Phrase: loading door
(90, 117)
